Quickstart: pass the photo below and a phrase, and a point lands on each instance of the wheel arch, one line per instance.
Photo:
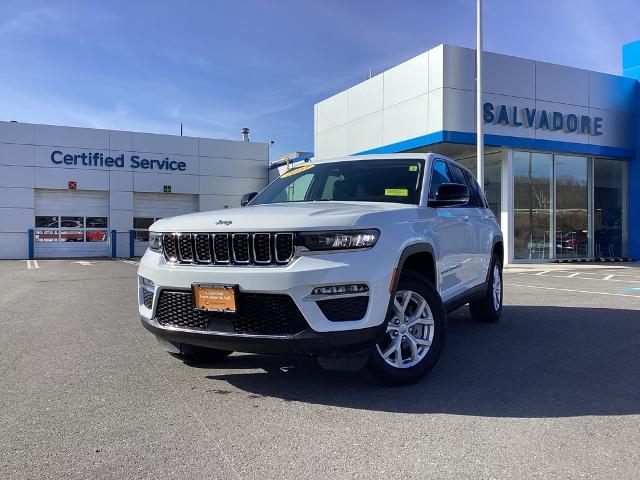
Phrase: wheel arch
(419, 258)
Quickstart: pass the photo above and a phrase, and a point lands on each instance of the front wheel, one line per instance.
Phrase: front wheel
(414, 335)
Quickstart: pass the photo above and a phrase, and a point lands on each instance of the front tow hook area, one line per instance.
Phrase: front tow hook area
(347, 362)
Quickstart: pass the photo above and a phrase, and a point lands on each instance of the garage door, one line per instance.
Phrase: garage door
(149, 207)
(71, 223)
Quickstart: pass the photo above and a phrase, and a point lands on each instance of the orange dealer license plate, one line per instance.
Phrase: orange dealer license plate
(214, 298)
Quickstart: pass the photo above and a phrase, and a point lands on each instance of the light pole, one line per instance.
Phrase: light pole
(479, 133)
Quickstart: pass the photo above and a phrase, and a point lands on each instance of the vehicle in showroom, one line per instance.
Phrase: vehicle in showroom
(354, 260)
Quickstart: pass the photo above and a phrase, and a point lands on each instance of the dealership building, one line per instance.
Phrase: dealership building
(562, 159)
(79, 192)
(562, 171)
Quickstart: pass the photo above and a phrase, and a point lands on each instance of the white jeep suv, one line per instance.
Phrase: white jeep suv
(354, 260)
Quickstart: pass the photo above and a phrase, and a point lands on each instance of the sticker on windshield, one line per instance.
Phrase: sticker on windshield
(396, 192)
(413, 168)
(295, 171)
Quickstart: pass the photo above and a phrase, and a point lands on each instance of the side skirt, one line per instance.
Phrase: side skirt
(474, 293)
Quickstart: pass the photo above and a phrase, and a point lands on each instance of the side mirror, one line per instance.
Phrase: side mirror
(246, 198)
(450, 195)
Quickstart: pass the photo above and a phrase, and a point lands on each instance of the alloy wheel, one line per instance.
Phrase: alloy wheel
(497, 288)
(410, 331)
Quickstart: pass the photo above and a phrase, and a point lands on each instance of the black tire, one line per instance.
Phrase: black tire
(486, 309)
(380, 368)
(195, 354)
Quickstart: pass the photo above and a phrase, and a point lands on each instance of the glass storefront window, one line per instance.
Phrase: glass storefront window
(141, 226)
(71, 222)
(533, 174)
(609, 216)
(96, 222)
(492, 178)
(71, 235)
(46, 222)
(71, 229)
(572, 206)
(46, 235)
(96, 236)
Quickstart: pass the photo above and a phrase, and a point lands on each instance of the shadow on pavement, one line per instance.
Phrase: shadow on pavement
(536, 362)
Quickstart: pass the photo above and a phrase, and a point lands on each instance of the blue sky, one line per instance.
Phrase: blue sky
(218, 66)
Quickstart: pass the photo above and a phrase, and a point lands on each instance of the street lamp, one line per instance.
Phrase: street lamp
(479, 133)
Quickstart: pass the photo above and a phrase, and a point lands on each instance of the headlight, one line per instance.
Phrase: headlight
(340, 240)
(155, 241)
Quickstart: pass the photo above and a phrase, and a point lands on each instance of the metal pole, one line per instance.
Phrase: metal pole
(479, 132)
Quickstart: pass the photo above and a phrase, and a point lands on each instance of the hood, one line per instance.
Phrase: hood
(277, 217)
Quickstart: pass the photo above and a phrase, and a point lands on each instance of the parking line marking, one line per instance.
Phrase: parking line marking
(32, 264)
(571, 290)
(608, 277)
(574, 275)
(541, 273)
(583, 277)
(130, 262)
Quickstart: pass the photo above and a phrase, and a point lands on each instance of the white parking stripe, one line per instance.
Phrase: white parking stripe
(608, 277)
(583, 277)
(542, 273)
(130, 262)
(574, 275)
(537, 287)
(32, 264)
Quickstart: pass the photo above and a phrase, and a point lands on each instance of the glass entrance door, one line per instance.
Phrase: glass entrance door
(571, 206)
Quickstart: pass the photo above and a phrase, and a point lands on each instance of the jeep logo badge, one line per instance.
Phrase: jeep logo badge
(224, 222)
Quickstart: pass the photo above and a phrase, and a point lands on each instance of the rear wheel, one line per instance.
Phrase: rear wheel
(414, 335)
(489, 308)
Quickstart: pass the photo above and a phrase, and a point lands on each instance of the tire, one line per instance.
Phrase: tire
(194, 354)
(420, 345)
(489, 308)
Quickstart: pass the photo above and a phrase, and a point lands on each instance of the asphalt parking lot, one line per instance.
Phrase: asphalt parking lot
(552, 391)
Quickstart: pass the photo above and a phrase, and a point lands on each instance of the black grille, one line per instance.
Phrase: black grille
(221, 248)
(284, 246)
(229, 248)
(147, 298)
(240, 247)
(344, 309)
(170, 246)
(185, 247)
(262, 247)
(203, 249)
(176, 309)
(258, 314)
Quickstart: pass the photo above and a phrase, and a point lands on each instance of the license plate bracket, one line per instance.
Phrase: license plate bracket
(215, 297)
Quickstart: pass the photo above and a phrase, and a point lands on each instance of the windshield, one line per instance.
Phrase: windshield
(397, 181)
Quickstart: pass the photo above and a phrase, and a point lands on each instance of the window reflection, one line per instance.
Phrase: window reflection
(96, 236)
(71, 229)
(610, 178)
(533, 173)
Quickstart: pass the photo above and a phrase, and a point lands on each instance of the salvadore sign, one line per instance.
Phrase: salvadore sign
(95, 159)
(541, 119)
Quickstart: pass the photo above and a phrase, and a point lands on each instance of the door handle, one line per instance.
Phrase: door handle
(464, 218)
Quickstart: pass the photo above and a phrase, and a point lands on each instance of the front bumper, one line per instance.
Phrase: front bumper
(306, 342)
(296, 280)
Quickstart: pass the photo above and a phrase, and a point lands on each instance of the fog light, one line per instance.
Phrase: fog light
(147, 283)
(340, 289)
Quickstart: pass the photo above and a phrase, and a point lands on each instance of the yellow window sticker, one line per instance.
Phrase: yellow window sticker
(396, 192)
(413, 168)
(295, 171)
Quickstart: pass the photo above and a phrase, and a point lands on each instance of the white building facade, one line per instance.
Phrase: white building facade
(78, 192)
(560, 143)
